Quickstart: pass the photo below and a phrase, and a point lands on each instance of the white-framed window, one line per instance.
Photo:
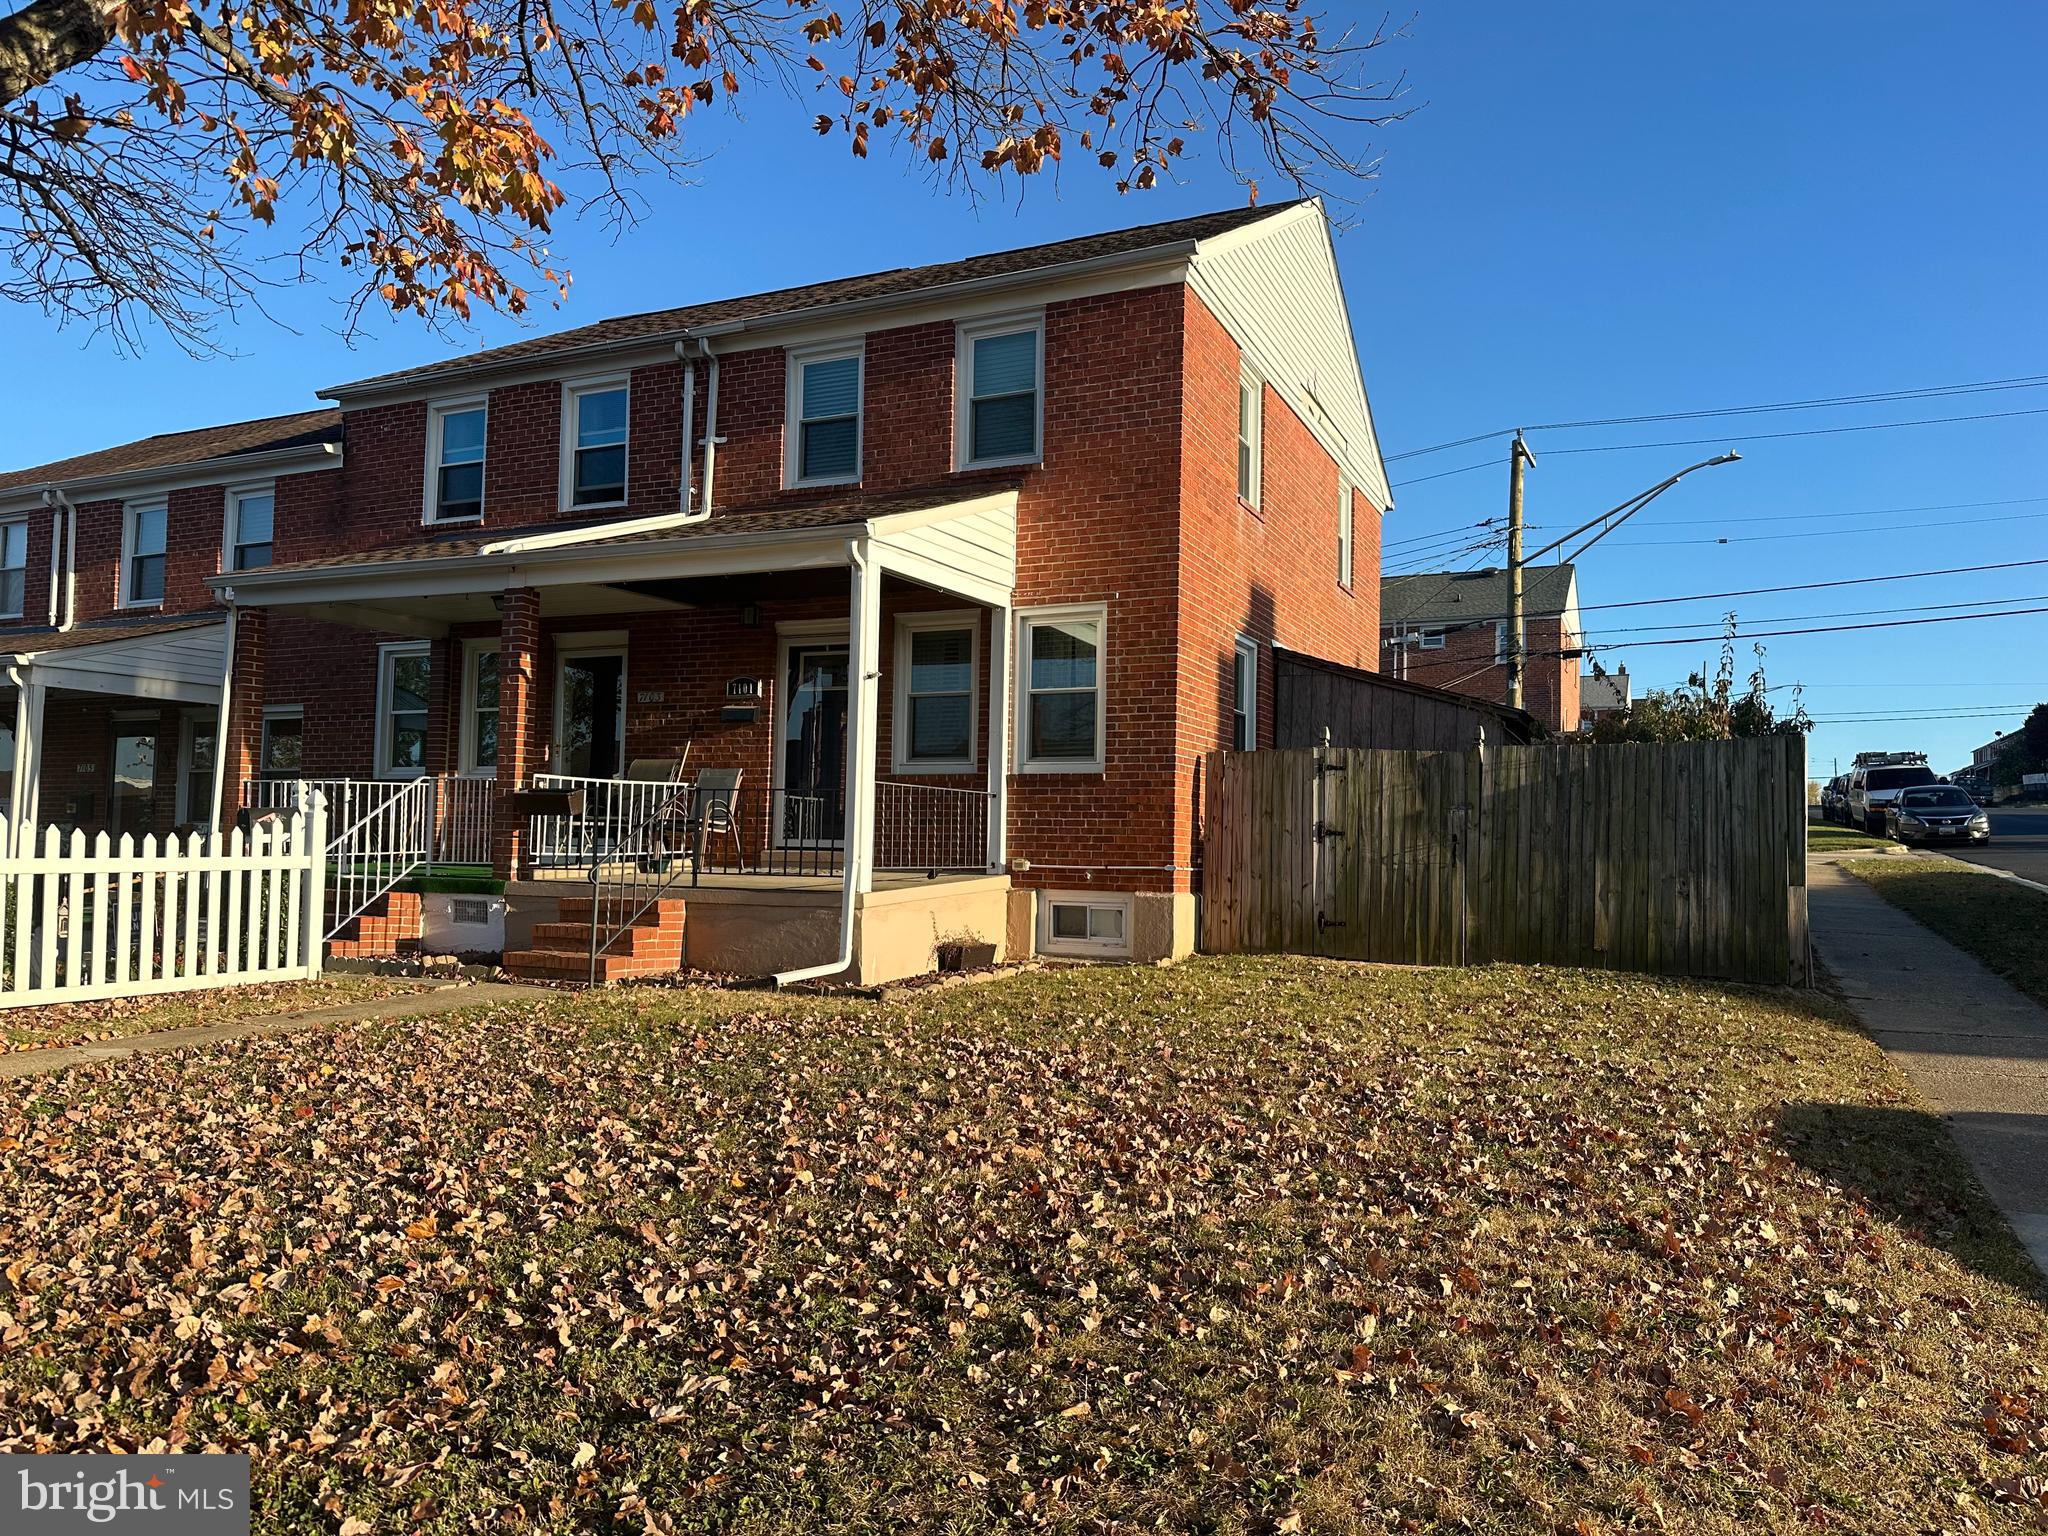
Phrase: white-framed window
(1251, 432)
(1060, 692)
(1244, 695)
(999, 391)
(824, 415)
(403, 670)
(1500, 643)
(1429, 639)
(594, 419)
(480, 707)
(456, 435)
(282, 753)
(935, 697)
(143, 526)
(251, 522)
(1344, 532)
(197, 737)
(1084, 923)
(13, 568)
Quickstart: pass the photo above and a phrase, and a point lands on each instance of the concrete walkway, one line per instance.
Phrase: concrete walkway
(446, 997)
(1974, 1047)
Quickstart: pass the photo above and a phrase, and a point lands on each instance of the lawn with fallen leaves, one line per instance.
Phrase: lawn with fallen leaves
(1234, 1246)
(30, 1029)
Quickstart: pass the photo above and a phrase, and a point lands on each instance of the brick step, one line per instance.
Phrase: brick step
(560, 965)
(391, 925)
(574, 938)
(659, 914)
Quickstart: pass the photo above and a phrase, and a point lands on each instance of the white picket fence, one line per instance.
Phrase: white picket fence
(84, 918)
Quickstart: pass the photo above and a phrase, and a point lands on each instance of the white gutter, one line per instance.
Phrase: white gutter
(231, 469)
(569, 538)
(64, 516)
(853, 825)
(711, 437)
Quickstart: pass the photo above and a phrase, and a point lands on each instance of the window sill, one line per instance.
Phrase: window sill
(142, 607)
(1096, 769)
(591, 506)
(830, 482)
(934, 770)
(1253, 507)
(1026, 461)
(450, 522)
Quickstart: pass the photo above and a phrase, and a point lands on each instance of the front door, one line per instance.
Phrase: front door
(133, 782)
(590, 715)
(813, 758)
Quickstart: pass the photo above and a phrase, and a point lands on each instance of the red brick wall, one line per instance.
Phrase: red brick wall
(1270, 574)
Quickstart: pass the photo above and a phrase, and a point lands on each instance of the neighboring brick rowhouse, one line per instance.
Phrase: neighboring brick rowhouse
(1466, 664)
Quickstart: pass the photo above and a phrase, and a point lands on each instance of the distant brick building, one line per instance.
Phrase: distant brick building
(1449, 629)
(1603, 693)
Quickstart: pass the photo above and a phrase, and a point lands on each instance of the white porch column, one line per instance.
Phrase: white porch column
(863, 700)
(24, 802)
(998, 738)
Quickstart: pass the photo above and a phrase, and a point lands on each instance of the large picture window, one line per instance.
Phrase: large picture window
(594, 419)
(825, 409)
(999, 366)
(456, 434)
(1060, 690)
(142, 554)
(402, 674)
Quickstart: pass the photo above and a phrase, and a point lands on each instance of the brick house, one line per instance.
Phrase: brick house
(935, 584)
(1449, 629)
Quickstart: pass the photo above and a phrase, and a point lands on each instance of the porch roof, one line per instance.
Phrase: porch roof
(176, 657)
(959, 538)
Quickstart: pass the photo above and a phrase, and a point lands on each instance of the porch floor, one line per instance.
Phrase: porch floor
(827, 882)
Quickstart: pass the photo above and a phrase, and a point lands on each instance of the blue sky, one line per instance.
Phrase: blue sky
(1596, 211)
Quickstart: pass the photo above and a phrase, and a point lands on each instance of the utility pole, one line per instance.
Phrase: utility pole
(1518, 639)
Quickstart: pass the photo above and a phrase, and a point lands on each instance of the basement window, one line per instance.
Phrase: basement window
(1078, 923)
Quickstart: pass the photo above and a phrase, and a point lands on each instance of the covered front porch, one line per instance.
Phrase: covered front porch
(793, 724)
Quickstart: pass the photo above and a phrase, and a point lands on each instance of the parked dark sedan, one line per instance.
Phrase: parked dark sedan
(1834, 800)
(1938, 813)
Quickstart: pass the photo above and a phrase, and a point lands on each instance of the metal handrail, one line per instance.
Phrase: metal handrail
(634, 848)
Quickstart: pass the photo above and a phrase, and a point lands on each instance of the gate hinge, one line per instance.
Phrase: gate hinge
(1323, 768)
(1323, 921)
(1324, 829)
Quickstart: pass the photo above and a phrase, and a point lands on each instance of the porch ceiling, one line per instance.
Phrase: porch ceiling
(956, 539)
(177, 660)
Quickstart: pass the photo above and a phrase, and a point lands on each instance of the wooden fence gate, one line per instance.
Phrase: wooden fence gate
(1684, 859)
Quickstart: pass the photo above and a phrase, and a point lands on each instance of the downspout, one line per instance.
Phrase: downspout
(688, 456)
(56, 548)
(854, 828)
(711, 437)
(64, 529)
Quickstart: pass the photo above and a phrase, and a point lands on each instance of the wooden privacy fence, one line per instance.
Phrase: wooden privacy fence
(1684, 859)
(84, 918)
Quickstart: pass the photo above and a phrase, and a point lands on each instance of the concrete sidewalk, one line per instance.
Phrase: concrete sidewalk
(409, 1005)
(1975, 1048)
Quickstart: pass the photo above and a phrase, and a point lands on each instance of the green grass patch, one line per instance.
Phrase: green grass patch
(2002, 923)
(1826, 837)
(1239, 1246)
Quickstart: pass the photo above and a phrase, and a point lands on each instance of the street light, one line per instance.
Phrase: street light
(1606, 522)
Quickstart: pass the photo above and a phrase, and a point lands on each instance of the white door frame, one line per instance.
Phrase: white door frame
(585, 651)
(794, 635)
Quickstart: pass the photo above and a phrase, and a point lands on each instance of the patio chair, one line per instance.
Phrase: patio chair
(670, 833)
(714, 812)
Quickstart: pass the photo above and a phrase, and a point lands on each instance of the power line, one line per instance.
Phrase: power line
(1826, 629)
(1853, 613)
(1816, 403)
(1937, 506)
(1830, 533)
(1807, 586)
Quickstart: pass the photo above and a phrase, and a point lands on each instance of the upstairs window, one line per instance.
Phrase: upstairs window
(252, 516)
(1431, 640)
(825, 397)
(13, 569)
(455, 462)
(1059, 657)
(142, 555)
(1343, 532)
(1251, 412)
(594, 438)
(999, 365)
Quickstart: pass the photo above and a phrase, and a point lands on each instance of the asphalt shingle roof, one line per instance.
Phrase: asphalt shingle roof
(1464, 595)
(655, 324)
(168, 450)
(42, 638)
